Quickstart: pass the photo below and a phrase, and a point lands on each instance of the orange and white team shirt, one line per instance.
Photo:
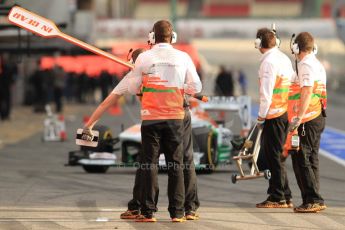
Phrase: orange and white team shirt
(293, 105)
(122, 87)
(312, 73)
(163, 74)
(275, 75)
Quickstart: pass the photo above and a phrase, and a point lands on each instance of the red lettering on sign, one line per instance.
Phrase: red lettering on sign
(16, 15)
(46, 28)
(33, 22)
(20, 16)
(23, 18)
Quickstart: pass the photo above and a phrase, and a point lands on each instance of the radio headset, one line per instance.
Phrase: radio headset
(295, 49)
(129, 56)
(273, 28)
(258, 41)
(152, 39)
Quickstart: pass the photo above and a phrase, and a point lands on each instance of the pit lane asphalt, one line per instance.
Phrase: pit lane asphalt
(38, 192)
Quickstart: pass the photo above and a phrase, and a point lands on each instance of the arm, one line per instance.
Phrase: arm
(267, 80)
(118, 91)
(306, 93)
(306, 82)
(192, 81)
(110, 100)
(135, 79)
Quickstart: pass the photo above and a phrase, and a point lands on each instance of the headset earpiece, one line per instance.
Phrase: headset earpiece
(173, 37)
(295, 48)
(277, 41)
(257, 43)
(315, 49)
(151, 37)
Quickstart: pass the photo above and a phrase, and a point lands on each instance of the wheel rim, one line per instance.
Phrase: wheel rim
(211, 151)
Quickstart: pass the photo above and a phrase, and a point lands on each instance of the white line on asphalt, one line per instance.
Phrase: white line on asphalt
(59, 220)
(335, 129)
(332, 157)
(102, 219)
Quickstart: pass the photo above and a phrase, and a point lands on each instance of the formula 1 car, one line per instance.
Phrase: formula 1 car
(214, 124)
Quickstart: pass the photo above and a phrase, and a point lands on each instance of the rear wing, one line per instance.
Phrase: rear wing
(240, 104)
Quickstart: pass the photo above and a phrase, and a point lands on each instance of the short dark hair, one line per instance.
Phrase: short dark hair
(305, 42)
(267, 36)
(163, 31)
(136, 53)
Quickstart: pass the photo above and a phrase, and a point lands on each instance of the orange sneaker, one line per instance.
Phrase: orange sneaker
(322, 206)
(272, 204)
(289, 203)
(308, 208)
(178, 220)
(146, 219)
(192, 216)
(130, 214)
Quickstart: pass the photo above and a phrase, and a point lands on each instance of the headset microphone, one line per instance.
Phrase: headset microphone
(294, 48)
(293, 45)
(129, 52)
(273, 27)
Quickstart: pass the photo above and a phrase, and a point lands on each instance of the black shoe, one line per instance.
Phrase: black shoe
(192, 215)
(146, 218)
(289, 203)
(322, 206)
(308, 208)
(272, 204)
(130, 214)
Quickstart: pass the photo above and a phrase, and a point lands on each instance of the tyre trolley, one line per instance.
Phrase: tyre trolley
(249, 154)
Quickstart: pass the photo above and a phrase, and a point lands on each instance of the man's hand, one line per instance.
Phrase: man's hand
(294, 124)
(260, 122)
(87, 135)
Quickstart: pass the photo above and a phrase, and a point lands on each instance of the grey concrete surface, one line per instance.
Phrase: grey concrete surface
(38, 192)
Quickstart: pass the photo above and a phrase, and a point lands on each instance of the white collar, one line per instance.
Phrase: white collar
(268, 52)
(307, 57)
(162, 45)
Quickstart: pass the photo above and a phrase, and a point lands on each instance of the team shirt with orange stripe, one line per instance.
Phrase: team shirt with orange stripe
(275, 75)
(163, 74)
(312, 73)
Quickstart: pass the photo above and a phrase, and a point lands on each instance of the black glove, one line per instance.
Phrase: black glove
(87, 135)
(260, 123)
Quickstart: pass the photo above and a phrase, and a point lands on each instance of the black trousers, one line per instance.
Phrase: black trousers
(306, 160)
(134, 203)
(192, 202)
(287, 190)
(5, 103)
(167, 135)
(58, 99)
(273, 138)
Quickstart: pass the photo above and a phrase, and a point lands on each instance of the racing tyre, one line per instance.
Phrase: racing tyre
(205, 141)
(267, 174)
(233, 178)
(130, 152)
(95, 168)
(104, 143)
